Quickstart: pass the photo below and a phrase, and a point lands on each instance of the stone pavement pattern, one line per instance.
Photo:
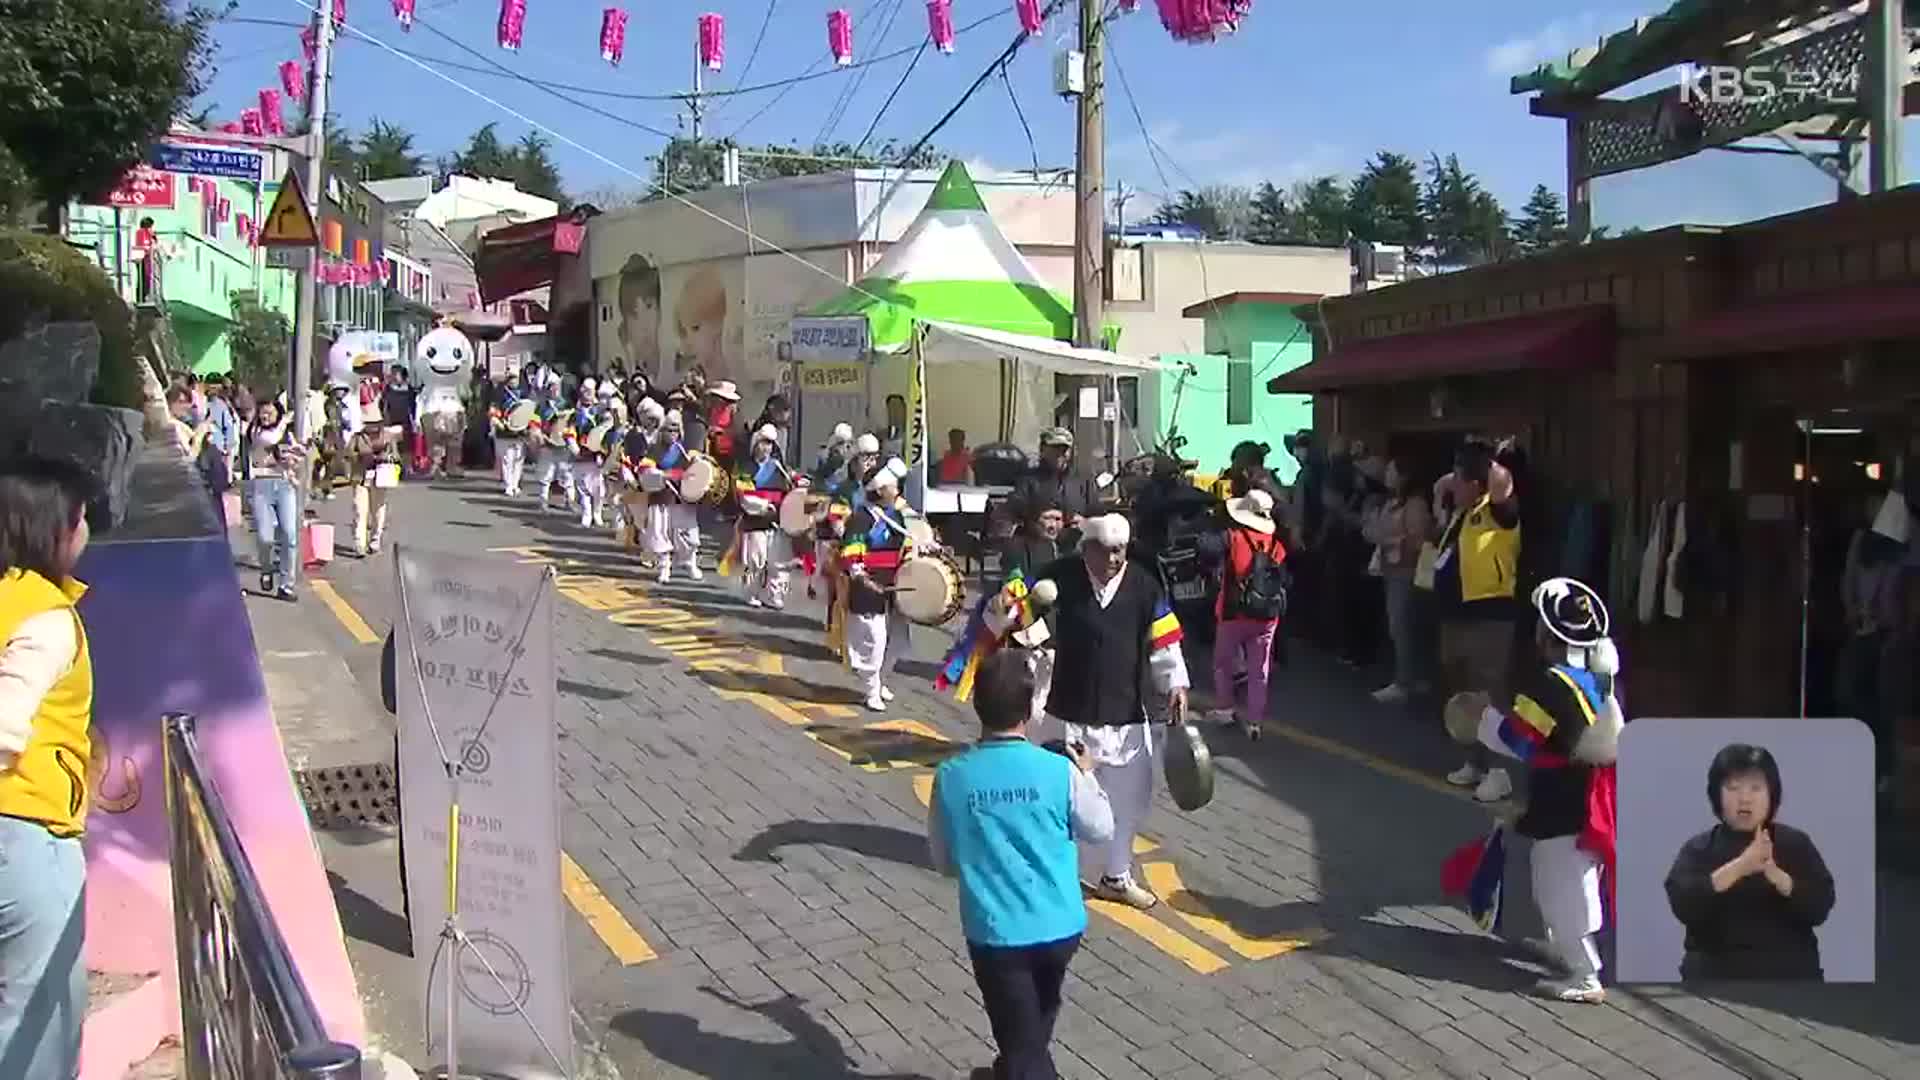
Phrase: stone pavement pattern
(720, 785)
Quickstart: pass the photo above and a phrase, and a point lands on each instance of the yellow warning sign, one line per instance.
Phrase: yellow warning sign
(289, 223)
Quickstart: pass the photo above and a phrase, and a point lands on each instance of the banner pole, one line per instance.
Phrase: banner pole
(452, 934)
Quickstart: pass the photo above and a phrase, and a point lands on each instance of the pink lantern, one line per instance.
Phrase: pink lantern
(713, 41)
(339, 12)
(292, 81)
(1032, 20)
(309, 42)
(1128, 7)
(840, 36)
(223, 209)
(403, 10)
(940, 24)
(613, 35)
(250, 123)
(513, 22)
(230, 128)
(274, 123)
(1201, 21)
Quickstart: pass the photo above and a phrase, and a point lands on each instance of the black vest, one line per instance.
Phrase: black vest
(1101, 677)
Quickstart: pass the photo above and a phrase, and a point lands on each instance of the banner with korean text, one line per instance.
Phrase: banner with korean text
(474, 686)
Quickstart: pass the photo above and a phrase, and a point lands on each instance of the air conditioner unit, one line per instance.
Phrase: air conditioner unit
(1389, 261)
(1069, 73)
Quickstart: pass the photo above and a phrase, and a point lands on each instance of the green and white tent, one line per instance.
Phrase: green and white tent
(953, 265)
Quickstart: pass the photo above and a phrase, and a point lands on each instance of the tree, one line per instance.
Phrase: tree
(1542, 225)
(1383, 202)
(532, 170)
(343, 154)
(608, 198)
(1489, 236)
(386, 151)
(684, 166)
(1465, 223)
(1274, 221)
(1221, 211)
(88, 84)
(484, 156)
(258, 341)
(1320, 212)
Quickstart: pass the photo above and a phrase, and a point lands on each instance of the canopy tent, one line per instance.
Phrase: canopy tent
(953, 265)
(945, 343)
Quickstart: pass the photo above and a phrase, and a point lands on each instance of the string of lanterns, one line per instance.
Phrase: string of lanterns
(1192, 21)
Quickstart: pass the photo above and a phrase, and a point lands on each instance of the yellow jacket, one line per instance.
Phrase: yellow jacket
(1489, 555)
(47, 783)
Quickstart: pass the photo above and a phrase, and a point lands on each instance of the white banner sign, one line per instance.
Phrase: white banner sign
(474, 662)
(829, 337)
(830, 393)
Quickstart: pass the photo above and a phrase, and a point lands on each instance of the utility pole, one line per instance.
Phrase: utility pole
(1887, 82)
(1121, 197)
(306, 312)
(699, 88)
(1089, 223)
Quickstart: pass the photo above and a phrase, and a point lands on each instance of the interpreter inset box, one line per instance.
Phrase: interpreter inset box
(1745, 851)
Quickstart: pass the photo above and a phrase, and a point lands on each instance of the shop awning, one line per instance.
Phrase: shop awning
(526, 256)
(1559, 340)
(1836, 317)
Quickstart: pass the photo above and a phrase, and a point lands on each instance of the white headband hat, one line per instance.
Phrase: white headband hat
(889, 474)
(767, 434)
(673, 419)
(868, 444)
(842, 433)
(652, 408)
(1107, 530)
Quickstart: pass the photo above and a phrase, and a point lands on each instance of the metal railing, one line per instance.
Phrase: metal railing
(245, 1013)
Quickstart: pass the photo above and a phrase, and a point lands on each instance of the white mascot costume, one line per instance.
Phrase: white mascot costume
(443, 362)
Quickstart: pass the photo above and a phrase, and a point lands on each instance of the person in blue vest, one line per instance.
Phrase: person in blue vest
(1005, 818)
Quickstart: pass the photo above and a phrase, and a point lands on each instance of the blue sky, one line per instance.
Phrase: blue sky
(1300, 91)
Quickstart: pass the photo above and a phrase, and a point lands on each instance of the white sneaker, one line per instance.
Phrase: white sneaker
(1393, 694)
(1123, 890)
(886, 694)
(665, 575)
(1587, 991)
(694, 573)
(1468, 775)
(1495, 786)
(876, 703)
(754, 601)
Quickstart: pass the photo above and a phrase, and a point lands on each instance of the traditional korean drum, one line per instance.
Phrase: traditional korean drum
(756, 506)
(920, 534)
(1462, 716)
(699, 480)
(521, 417)
(799, 510)
(651, 480)
(596, 441)
(929, 588)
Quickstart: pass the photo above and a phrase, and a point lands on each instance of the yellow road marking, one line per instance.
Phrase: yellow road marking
(1160, 935)
(908, 727)
(923, 788)
(343, 611)
(614, 930)
(1361, 757)
(1164, 879)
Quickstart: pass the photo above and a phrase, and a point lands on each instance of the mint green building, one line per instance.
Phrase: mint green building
(200, 259)
(1218, 399)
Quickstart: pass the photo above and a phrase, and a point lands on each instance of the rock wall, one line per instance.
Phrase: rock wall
(45, 375)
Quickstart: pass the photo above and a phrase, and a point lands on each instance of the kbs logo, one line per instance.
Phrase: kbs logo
(1755, 84)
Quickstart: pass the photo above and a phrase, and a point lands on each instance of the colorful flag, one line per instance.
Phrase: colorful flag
(513, 22)
(940, 24)
(840, 36)
(1032, 19)
(271, 119)
(309, 42)
(250, 122)
(1476, 872)
(613, 35)
(293, 80)
(403, 10)
(339, 12)
(713, 40)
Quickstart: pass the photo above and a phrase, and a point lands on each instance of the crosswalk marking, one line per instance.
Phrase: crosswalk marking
(613, 929)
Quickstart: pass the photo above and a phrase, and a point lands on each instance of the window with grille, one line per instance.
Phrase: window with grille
(1239, 390)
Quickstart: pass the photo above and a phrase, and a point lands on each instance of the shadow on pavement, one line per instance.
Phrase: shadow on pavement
(364, 919)
(874, 841)
(588, 690)
(811, 648)
(626, 657)
(683, 1041)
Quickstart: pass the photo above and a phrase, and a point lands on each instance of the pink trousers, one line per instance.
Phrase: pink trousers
(1243, 645)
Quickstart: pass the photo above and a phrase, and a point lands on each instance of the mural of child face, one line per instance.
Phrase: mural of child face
(639, 306)
(700, 324)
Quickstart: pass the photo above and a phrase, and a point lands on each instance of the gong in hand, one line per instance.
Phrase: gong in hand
(1462, 714)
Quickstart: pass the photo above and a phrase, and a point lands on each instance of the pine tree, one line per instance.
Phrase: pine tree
(1542, 225)
(386, 151)
(1383, 202)
(1273, 220)
(1320, 212)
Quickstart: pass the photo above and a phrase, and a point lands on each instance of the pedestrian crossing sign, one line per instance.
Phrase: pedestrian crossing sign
(289, 223)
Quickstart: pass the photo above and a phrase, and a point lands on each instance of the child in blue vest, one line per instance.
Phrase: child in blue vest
(1004, 818)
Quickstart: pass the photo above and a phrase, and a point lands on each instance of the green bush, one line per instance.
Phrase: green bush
(41, 278)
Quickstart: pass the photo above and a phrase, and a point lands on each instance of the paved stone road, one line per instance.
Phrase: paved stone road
(721, 786)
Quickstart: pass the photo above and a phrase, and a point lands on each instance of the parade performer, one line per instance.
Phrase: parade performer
(845, 485)
(636, 456)
(1564, 726)
(588, 465)
(555, 425)
(1117, 659)
(765, 555)
(875, 631)
(673, 524)
(444, 361)
(833, 456)
(509, 446)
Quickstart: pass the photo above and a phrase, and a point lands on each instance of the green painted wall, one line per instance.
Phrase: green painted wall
(1225, 401)
(203, 268)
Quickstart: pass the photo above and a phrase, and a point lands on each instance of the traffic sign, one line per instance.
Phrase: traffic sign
(205, 161)
(143, 188)
(289, 258)
(289, 223)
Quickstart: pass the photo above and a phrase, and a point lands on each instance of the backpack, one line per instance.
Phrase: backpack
(1260, 593)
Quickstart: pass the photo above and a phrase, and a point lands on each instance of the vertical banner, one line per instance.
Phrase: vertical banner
(916, 483)
(474, 664)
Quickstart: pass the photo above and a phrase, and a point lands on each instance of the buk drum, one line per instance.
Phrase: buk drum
(652, 481)
(700, 480)
(756, 506)
(521, 417)
(929, 589)
(799, 510)
(920, 534)
(596, 441)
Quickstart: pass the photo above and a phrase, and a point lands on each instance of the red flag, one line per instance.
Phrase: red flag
(613, 35)
(940, 24)
(293, 80)
(713, 41)
(840, 36)
(513, 23)
(403, 10)
(1032, 19)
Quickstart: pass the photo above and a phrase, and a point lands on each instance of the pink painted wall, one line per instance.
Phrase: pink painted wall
(169, 632)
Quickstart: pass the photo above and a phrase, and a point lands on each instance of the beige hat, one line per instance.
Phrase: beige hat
(842, 433)
(767, 434)
(724, 390)
(1255, 511)
(867, 444)
(1108, 531)
(886, 476)
(1057, 436)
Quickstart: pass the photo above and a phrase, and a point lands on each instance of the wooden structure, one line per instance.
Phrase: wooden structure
(1684, 364)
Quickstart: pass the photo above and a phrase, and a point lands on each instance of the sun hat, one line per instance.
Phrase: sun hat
(1253, 510)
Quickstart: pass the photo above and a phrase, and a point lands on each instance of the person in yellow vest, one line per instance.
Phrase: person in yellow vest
(46, 711)
(1475, 580)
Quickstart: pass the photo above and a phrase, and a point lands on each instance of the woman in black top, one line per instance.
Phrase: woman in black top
(1750, 891)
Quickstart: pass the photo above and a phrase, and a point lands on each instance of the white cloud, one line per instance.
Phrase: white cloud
(1551, 42)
